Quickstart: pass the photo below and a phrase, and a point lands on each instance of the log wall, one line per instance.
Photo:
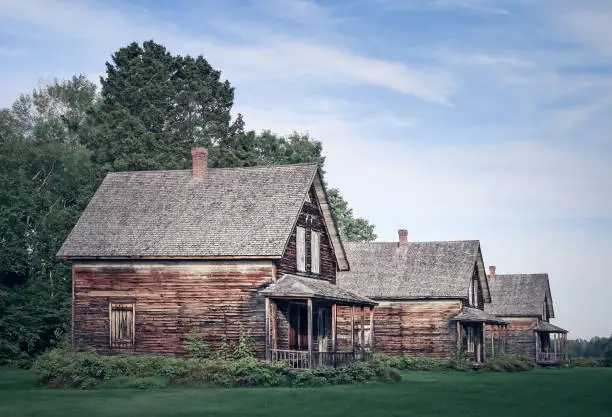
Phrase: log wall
(170, 299)
(414, 327)
(519, 335)
(310, 218)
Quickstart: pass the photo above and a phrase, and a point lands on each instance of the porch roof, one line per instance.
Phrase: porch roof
(546, 327)
(474, 315)
(293, 286)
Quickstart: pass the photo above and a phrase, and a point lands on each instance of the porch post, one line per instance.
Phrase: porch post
(362, 333)
(310, 333)
(274, 324)
(372, 339)
(268, 355)
(353, 330)
(459, 335)
(334, 332)
(484, 338)
(493, 341)
(536, 345)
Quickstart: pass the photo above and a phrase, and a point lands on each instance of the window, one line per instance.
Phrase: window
(314, 252)
(300, 237)
(470, 339)
(471, 294)
(121, 324)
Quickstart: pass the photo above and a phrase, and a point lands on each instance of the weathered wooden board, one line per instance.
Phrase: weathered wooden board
(172, 297)
(310, 218)
(419, 327)
(519, 335)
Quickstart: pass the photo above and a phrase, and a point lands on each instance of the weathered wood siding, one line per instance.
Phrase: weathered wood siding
(310, 218)
(171, 298)
(415, 327)
(519, 336)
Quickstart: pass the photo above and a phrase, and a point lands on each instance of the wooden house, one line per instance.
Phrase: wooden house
(431, 295)
(525, 302)
(222, 251)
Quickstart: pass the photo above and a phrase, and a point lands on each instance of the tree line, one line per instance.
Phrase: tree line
(58, 142)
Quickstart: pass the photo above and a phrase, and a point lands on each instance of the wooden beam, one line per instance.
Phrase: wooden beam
(372, 343)
(459, 336)
(72, 328)
(268, 319)
(353, 328)
(310, 333)
(334, 326)
(484, 333)
(274, 326)
(362, 335)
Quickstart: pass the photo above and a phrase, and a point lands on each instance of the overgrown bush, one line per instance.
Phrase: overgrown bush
(508, 363)
(421, 363)
(68, 368)
(588, 362)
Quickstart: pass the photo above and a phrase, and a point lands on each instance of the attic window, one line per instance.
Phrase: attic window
(300, 248)
(315, 245)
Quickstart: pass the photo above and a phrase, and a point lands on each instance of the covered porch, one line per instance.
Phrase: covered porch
(472, 342)
(550, 342)
(302, 323)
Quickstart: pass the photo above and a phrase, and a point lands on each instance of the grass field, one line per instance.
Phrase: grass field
(568, 392)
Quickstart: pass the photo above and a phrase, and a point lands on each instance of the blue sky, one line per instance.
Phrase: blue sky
(464, 119)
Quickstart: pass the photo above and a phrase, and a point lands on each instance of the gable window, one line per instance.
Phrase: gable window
(471, 293)
(315, 252)
(300, 253)
(121, 315)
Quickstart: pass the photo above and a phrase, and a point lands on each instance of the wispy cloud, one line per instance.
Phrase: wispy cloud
(270, 57)
(474, 6)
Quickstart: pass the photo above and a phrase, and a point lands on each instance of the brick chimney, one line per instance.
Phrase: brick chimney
(403, 238)
(492, 272)
(199, 157)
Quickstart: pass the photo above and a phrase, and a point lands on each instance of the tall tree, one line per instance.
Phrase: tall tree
(156, 106)
(352, 229)
(46, 180)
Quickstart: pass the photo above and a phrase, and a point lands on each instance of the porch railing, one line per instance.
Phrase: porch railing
(552, 357)
(300, 359)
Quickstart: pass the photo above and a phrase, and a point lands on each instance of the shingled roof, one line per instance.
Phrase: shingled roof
(228, 212)
(520, 295)
(475, 315)
(293, 286)
(384, 270)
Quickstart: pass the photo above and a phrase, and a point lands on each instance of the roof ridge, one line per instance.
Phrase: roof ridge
(409, 242)
(217, 169)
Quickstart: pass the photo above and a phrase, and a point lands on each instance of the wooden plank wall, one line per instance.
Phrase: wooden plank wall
(310, 218)
(520, 339)
(171, 298)
(420, 328)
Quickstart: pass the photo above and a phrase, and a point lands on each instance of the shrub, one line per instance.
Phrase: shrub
(588, 362)
(413, 363)
(69, 368)
(508, 363)
(195, 346)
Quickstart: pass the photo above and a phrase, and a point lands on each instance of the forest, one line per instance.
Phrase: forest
(58, 142)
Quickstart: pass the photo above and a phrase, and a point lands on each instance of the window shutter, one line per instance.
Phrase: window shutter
(121, 324)
(314, 252)
(300, 237)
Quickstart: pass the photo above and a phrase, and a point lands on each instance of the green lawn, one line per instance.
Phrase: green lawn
(568, 392)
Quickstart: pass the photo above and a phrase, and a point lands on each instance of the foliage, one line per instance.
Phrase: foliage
(596, 347)
(57, 143)
(352, 229)
(69, 368)
(588, 362)
(421, 363)
(195, 345)
(508, 363)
